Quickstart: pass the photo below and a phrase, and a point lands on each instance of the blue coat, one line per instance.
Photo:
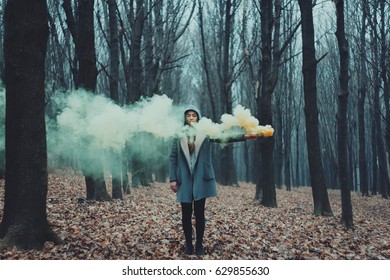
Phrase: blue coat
(199, 181)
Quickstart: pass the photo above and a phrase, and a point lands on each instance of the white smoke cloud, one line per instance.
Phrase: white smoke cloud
(94, 119)
(86, 124)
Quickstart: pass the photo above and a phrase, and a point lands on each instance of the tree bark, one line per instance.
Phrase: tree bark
(385, 190)
(136, 64)
(342, 128)
(25, 223)
(363, 176)
(84, 39)
(125, 169)
(149, 33)
(380, 146)
(309, 69)
(374, 148)
(139, 171)
(278, 161)
(115, 163)
(205, 63)
(266, 182)
(278, 123)
(229, 176)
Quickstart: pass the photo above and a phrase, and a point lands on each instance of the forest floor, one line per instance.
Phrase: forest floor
(146, 225)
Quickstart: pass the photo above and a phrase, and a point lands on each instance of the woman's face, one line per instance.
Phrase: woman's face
(191, 116)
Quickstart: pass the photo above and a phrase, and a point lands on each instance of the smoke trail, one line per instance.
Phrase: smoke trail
(82, 126)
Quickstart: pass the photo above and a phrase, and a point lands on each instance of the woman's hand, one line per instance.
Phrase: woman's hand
(173, 185)
(251, 136)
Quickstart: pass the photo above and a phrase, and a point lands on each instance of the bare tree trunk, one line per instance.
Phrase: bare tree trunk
(375, 168)
(386, 88)
(125, 66)
(114, 51)
(278, 149)
(125, 151)
(309, 69)
(278, 161)
(363, 177)
(266, 182)
(380, 146)
(205, 63)
(159, 46)
(229, 176)
(125, 169)
(149, 33)
(288, 88)
(269, 65)
(139, 175)
(136, 71)
(342, 128)
(84, 40)
(2, 151)
(58, 55)
(115, 162)
(24, 224)
(2, 45)
(288, 127)
(297, 165)
(153, 32)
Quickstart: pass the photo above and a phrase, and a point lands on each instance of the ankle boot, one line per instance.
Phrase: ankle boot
(189, 249)
(199, 249)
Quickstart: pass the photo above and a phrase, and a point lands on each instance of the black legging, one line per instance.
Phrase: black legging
(186, 210)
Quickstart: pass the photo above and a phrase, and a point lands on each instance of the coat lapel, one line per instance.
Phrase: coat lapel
(200, 137)
(184, 147)
(198, 142)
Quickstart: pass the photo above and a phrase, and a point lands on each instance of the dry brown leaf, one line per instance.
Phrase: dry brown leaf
(147, 225)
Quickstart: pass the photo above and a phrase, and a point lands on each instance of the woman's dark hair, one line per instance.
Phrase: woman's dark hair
(185, 114)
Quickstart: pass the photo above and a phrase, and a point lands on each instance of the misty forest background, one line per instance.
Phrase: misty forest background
(319, 76)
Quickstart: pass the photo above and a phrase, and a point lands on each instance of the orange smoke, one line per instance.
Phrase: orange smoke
(241, 118)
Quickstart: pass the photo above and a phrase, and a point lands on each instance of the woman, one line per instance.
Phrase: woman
(192, 177)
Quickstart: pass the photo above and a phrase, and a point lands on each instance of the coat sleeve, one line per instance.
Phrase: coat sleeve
(173, 160)
(232, 138)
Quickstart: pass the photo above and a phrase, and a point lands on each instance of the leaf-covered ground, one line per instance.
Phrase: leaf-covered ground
(146, 224)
